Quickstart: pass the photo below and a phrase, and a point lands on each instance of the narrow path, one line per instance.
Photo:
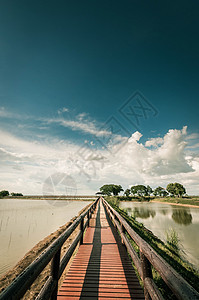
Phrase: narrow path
(101, 268)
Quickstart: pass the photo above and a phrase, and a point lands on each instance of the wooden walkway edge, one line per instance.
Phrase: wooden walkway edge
(101, 268)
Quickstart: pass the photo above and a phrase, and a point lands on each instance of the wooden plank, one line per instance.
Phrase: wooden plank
(101, 268)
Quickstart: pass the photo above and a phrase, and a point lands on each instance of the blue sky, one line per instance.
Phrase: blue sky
(77, 74)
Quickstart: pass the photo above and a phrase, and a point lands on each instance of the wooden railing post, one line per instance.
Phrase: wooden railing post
(55, 273)
(82, 230)
(123, 232)
(146, 272)
(88, 217)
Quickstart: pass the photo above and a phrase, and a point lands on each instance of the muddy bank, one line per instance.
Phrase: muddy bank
(30, 256)
(178, 204)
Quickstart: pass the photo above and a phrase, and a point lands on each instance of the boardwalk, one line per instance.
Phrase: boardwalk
(101, 269)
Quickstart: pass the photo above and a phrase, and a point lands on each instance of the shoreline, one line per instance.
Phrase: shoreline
(52, 198)
(178, 204)
(33, 253)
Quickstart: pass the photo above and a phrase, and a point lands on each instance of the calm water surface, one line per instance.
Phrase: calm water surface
(159, 218)
(23, 223)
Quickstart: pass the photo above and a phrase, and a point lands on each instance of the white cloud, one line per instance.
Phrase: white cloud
(26, 164)
(62, 110)
(168, 162)
(88, 127)
(154, 142)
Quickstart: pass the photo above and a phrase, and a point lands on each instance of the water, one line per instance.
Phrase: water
(159, 218)
(23, 223)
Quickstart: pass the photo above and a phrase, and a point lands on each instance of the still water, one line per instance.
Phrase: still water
(23, 223)
(159, 218)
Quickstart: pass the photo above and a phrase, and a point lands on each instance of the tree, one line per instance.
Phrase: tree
(133, 190)
(160, 191)
(4, 194)
(140, 190)
(109, 189)
(179, 189)
(149, 190)
(116, 189)
(176, 189)
(127, 192)
(171, 189)
(16, 194)
(106, 189)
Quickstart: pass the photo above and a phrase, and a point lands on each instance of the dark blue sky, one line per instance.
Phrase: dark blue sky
(92, 55)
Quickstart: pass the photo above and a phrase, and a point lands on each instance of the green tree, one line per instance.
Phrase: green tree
(116, 189)
(106, 189)
(160, 191)
(4, 194)
(171, 189)
(134, 190)
(176, 189)
(109, 189)
(127, 192)
(16, 194)
(149, 190)
(139, 190)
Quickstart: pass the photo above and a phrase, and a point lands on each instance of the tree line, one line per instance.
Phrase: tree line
(6, 193)
(172, 189)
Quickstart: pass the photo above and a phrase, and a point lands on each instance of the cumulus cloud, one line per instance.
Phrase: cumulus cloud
(26, 164)
(154, 142)
(136, 163)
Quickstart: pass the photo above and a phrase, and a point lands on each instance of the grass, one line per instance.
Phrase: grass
(175, 200)
(169, 251)
(189, 200)
(173, 241)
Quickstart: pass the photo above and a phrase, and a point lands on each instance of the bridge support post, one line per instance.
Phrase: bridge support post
(55, 273)
(146, 272)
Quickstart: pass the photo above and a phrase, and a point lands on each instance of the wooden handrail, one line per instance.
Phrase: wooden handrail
(22, 283)
(178, 285)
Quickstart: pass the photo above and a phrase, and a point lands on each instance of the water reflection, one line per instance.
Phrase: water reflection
(182, 216)
(164, 212)
(144, 213)
(184, 220)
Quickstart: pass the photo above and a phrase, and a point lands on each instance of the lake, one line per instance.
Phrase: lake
(159, 218)
(23, 223)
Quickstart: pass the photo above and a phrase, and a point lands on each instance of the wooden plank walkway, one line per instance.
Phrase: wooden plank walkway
(101, 268)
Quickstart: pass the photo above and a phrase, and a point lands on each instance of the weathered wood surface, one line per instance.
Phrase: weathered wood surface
(101, 269)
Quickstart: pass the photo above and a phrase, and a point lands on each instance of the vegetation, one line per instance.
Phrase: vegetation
(176, 189)
(173, 189)
(6, 193)
(170, 251)
(160, 191)
(16, 194)
(194, 200)
(173, 241)
(174, 193)
(111, 189)
(141, 190)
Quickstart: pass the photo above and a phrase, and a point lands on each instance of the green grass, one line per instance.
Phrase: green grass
(188, 200)
(169, 251)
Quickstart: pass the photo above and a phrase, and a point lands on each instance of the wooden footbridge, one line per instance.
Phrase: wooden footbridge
(101, 268)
